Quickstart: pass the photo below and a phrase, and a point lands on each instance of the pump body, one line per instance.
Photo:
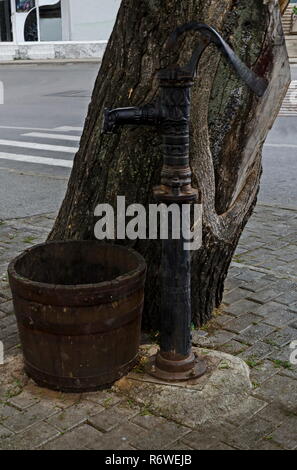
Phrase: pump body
(170, 113)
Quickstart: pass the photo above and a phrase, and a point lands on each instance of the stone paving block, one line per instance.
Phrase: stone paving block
(120, 438)
(240, 250)
(293, 307)
(199, 339)
(179, 445)
(281, 390)
(263, 371)
(249, 275)
(284, 285)
(50, 397)
(11, 342)
(112, 417)
(220, 338)
(2, 315)
(258, 285)
(246, 436)
(7, 307)
(233, 347)
(32, 438)
(257, 352)
(233, 283)
(272, 263)
(255, 333)
(242, 323)
(75, 415)
(4, 432)
(104, 398)
(266, 444)
(282, 337)
(274, 414)
(234, 295)
(281, 355)
(234, 271)
(148, 421)
(264, 295)
(7, 411)
(208, 438)
(29, 417)
(292, 372)
(160, 436)
(270, 308)
(286, 434)
(252, 406)
(5, 292)
(11, 330)
(8, 321)
(77, 439)
(23, 401)
(221, 320)
(280, 318)
(223, 446)
(242, 307)
(287, 298)
(282, 363)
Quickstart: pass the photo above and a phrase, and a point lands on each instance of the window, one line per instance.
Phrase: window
(5, 21)
(50, 22)
(24, 5)
(38, 20)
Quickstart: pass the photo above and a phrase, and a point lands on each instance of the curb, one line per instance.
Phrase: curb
(50, 61)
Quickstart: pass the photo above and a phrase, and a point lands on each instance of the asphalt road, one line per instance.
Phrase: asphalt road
(40, 124)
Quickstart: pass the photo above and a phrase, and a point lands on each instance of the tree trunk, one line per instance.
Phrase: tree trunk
(229, 127)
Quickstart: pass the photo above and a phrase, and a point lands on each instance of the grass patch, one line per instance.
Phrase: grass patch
(252, 362)
(29, 239)
(145, 412)
(283, 364)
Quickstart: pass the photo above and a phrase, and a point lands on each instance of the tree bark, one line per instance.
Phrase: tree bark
(229, 127)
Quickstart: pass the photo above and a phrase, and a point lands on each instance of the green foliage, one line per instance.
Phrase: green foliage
(284, 364)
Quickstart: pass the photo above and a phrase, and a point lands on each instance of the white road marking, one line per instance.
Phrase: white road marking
(289, 105)
(33, 145)
(26, 128)
(38, 160)
(68, 129)
(290, 146)
(42, 135)
(56, 129)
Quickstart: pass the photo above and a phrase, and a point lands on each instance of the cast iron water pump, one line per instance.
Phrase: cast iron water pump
(170, 113)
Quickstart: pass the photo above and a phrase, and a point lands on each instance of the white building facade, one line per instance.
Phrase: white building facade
(51, 29)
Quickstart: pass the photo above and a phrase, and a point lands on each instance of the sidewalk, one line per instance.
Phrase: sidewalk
(257, 321)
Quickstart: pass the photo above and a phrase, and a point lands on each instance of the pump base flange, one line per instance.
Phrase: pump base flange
(198, 369)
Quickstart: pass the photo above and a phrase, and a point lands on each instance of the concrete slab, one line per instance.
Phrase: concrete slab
(223, 392)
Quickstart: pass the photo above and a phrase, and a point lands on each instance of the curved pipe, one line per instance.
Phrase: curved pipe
(257, 84)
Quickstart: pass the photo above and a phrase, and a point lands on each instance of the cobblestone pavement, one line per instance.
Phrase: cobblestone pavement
(257, 321)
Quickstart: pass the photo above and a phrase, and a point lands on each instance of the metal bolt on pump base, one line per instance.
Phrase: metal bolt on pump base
(170, 112)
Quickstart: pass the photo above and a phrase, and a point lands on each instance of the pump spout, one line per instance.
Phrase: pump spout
(135, 116)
